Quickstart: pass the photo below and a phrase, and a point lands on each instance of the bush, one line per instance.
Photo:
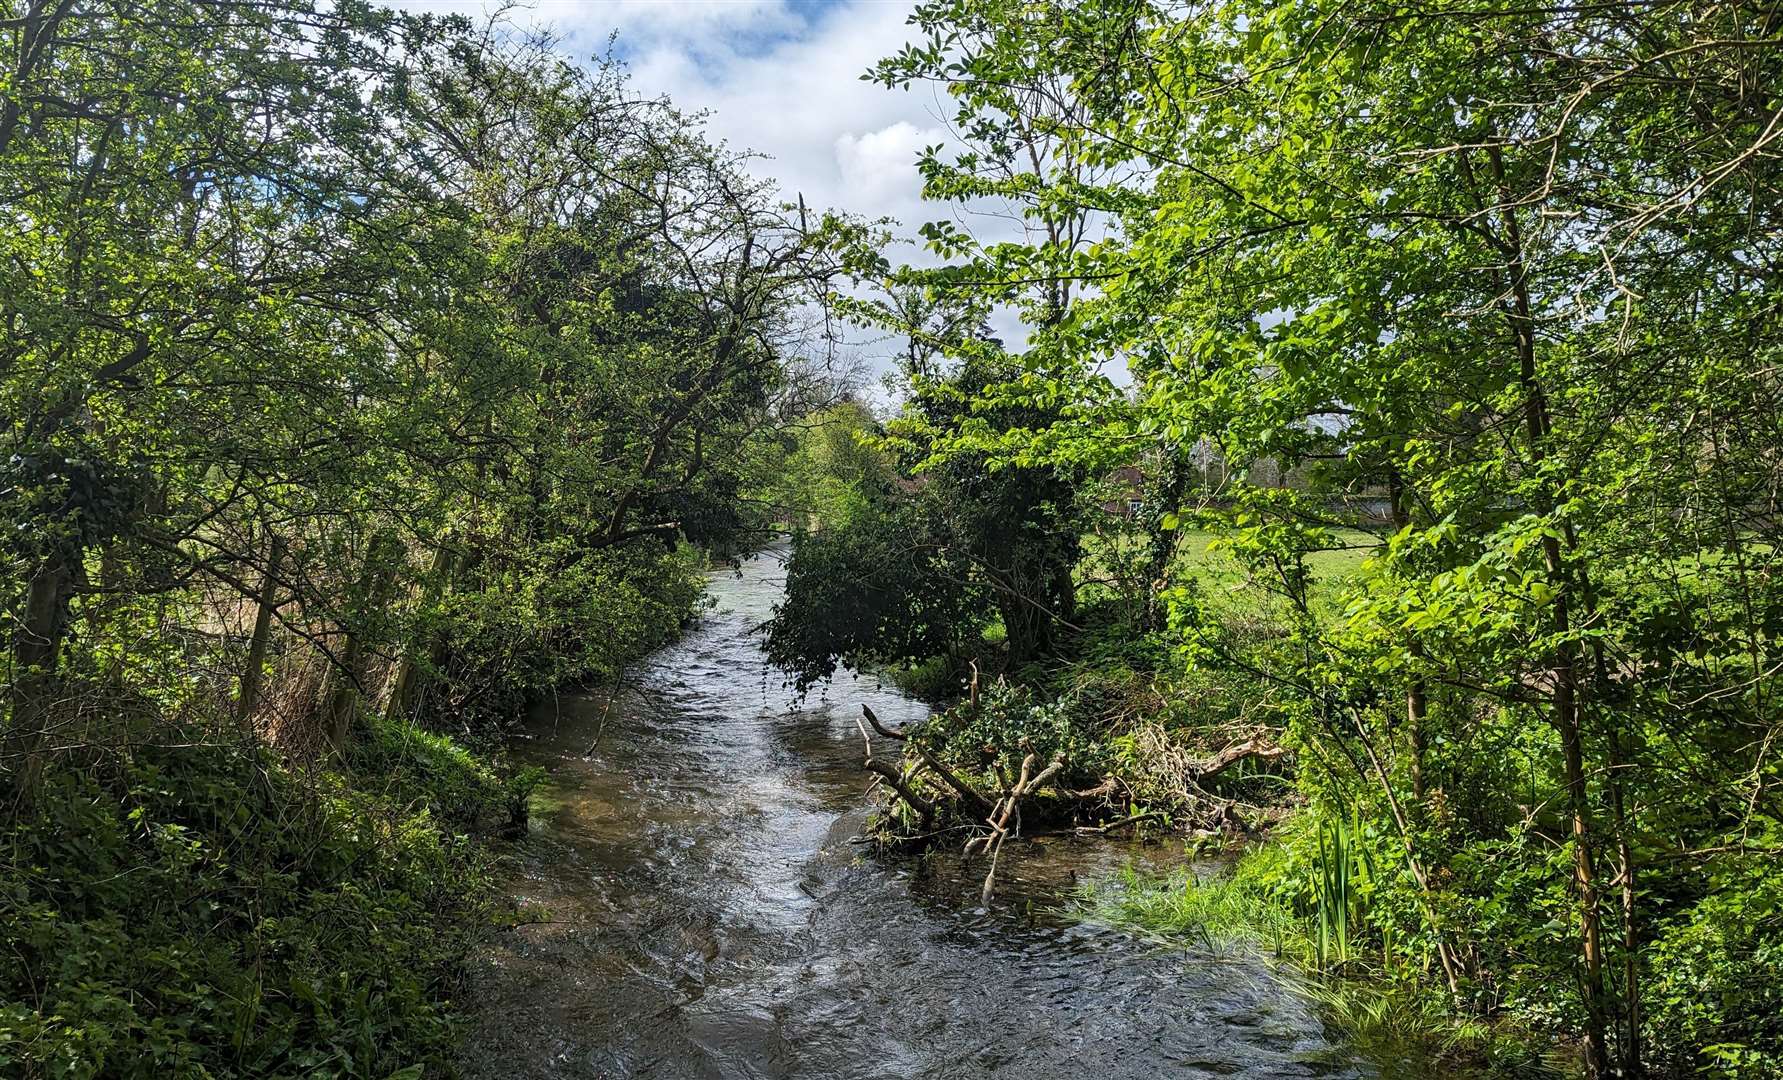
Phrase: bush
(872, 592)
(1012, 722)
(532, 628)
(1713, 979)
(203, 910)
(422, 770)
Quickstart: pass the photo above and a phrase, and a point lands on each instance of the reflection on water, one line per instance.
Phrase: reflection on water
(704, 913)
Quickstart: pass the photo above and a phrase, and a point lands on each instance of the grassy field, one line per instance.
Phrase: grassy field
(1198, 553)
(1113, 568)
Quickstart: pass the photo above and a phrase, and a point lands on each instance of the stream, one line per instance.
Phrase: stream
(702, 910)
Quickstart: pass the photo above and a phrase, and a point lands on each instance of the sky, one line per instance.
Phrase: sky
(780, 78)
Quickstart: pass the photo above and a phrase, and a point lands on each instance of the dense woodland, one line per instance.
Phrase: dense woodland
(1386, 491)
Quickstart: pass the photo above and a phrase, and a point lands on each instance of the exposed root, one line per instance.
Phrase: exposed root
(1252, 748)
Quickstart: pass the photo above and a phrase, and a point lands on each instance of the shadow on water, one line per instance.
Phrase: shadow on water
(701, 911)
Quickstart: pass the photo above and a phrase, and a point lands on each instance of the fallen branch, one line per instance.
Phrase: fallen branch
(1232, 755)
(881, 728)
(1107, 787)
(896, 779)
(1085, 830)
(965, 791)
(601, 728)
(891, 776)
(1007, 809)
(999, 819)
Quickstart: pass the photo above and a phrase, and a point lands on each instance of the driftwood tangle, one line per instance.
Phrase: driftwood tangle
(994, 818)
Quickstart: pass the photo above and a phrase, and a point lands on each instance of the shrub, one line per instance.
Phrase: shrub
(202, 910)
(1012, 722)
(1713, 979)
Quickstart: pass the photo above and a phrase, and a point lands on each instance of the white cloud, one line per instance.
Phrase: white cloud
(779, 78)
(782, 79)
(875, 167)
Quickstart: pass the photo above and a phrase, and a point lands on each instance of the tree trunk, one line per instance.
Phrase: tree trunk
(1027, 629)
(1417, 703)
(1416, 719)
(1563, 675)
(374, 584)
(252, 673)
(1064, 592)
(1165, 500)
(1445, 953)
(1630, 1058)
(36, 648)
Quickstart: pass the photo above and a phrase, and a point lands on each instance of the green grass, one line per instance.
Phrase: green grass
(933, 680)
(1198, 553)
(1217, 571)
(1405, 1027)
(1216, 914)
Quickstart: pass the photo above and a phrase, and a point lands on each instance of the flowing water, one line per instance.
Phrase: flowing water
(703, 912)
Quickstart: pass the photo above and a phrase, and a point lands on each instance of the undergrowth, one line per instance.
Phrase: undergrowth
(1386, 1014)
(199, 908)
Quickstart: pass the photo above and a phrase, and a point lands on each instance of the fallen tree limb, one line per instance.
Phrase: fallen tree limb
(1107, 787)
(891, 776)
(1007, 809)
(999, 818)
(964, 790)
(895, 778)
(881, 728)
(1232, 755)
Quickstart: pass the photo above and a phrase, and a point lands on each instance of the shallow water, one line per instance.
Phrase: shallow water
(703, 912)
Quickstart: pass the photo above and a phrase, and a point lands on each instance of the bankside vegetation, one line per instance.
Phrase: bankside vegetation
(361, 376)
(1441, 512)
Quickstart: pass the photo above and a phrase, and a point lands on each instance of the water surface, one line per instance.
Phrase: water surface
(704, 911)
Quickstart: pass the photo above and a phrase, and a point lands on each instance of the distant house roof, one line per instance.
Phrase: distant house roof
(1129, 480)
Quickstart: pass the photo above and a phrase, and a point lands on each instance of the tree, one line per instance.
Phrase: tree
(291, 277)
(960, 537)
